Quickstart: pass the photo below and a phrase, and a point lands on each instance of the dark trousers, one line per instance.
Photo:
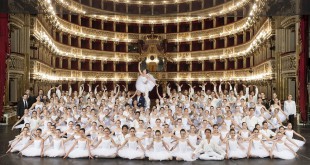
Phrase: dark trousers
(291, 119)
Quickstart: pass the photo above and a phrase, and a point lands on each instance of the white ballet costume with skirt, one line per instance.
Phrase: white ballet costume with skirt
(80, 150)
(258, 150)
(159, 152)
(26, 120)
(183, 152)
(105, 149)
(245, 134)
(289, 134)
(140, 134)
(132, 151)
(144, 85)
(234, 150)
(192, 140)
(34, 149)
(168, 141)
(293, 146)
(282, 152)
(146, 142)
(217, 139)
(56, 150)
(21, 144)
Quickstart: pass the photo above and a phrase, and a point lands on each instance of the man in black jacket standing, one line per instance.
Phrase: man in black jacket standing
(22, 105)
(140, 99)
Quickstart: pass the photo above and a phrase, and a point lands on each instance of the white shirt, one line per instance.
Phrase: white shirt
(290, 107)
(251, 121)
(205, 146)
(267, 132)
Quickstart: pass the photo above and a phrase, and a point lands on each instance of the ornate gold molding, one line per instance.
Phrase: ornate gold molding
(45, 73)
(218, 10)
(237, 51)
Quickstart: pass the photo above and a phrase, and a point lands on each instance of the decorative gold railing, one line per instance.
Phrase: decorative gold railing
(44, 72)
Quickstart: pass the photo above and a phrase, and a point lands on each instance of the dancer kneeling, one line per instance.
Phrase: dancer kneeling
(211, 150)
(132, 151)
(160, 149)
(103, 148)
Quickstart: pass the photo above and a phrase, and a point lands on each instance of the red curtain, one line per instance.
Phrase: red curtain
(4, 50)
(302, 72)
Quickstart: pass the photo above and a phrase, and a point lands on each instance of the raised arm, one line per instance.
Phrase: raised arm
(95, 90)
(81, 90)
(168, 90)
(158, 92)
(70, 90)
(139, 68)
(125, 89)
(58, 92)
(235, 89)
(214, 88)
(49, 93)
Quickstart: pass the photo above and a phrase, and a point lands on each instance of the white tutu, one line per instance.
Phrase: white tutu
(235, 151)
(131, 152)
(33, 150)
(257, 150)
(20, 145)
(159, 152)
(80, 151)
(128, 153)
(105, 149)
(56, 150)
(144, 85)
(182, 152)
(289, 134)
(282, 152)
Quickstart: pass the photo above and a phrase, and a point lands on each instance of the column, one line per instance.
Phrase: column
(214, 66)
(79, 64)
(114, 66)
(202, 65)
(225, 63)
(69, 39)
(90, 65)
(60, 62)
(69, 63)
(178, 66)
(244, 62)
(102, 65)
(25, 49)
(236, 63)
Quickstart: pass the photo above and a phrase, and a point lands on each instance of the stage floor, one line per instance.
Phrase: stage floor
(13, 159)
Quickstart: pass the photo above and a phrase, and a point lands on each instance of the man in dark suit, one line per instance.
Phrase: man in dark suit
(140, 99)
(31, 99)
(22, 105)
(41, 94)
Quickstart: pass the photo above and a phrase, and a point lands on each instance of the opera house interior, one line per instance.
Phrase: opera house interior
(210, 64)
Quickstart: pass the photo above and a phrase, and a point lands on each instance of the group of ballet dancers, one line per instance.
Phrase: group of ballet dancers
(183, 124)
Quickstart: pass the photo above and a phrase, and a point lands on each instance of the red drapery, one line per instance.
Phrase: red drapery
(302, 70)
(4, 50)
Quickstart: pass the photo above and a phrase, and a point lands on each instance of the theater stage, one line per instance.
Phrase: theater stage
(14, 159)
